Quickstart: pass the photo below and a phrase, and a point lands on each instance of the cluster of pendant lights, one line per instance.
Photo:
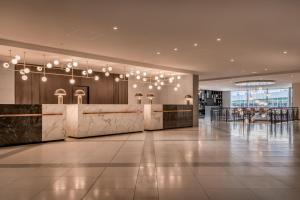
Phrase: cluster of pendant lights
(49, 65)
(157, 81)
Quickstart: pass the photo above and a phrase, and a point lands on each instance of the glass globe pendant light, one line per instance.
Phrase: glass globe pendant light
(72, 80)
(96, 78)
(6, 65)
(24, 77)
(44, 78)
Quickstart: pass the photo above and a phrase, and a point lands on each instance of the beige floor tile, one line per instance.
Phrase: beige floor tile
(122, 182)
(231, 194)
(180, 194)
(60, 195)
(210, 171)
(177, 182)
(84, 171)
(69, 183)
(16, 194)
(110, 194)
(223, 182)
(261, 182)
(120, 171)
(277, 194)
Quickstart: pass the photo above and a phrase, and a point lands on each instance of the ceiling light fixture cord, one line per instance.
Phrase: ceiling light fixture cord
(24, 63)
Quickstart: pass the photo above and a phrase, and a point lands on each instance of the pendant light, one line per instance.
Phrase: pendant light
(44, 78)
(72, 80)
(25, 70)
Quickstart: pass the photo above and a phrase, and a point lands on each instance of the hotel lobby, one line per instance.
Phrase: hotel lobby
(149, 100)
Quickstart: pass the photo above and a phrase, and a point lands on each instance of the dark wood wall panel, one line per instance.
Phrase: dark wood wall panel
(34, 91)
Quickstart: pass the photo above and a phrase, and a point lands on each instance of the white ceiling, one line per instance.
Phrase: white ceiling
(41, 58)
(254, 33)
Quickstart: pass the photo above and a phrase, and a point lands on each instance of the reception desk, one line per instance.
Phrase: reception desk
(23, 124)
(162, 116)
(86, 120)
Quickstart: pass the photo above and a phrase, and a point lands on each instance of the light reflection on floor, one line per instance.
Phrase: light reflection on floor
(217, 161)
(261, 131)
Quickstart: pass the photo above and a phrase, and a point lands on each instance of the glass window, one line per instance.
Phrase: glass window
(261, 98)
(239, 98)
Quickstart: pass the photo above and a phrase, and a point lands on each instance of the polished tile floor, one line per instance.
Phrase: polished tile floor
(215, 161)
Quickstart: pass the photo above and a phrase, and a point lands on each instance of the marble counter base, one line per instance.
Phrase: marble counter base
(53, 122)
(153, 117)
(88, 120)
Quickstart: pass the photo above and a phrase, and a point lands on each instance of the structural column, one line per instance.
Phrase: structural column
(195, 101)
(296, 95)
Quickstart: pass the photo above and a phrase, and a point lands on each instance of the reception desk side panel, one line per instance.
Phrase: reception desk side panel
(71, 123)
(153, 117)
(54, 117)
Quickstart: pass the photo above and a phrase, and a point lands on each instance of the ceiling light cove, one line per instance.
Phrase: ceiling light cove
(252, 83)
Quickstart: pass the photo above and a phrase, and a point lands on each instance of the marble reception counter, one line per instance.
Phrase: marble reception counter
(23, 124)
(159, 116)
(86, 120)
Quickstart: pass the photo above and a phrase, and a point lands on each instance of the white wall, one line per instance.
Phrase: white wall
(226, 97)
(7, 86)
(169, 96)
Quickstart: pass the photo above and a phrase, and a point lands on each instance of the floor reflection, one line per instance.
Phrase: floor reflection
(261, 131)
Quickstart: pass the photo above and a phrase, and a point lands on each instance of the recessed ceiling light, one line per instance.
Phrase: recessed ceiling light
(195, 44)
(158, 53)
(219, 39)
(175, 49)
(115, 28)
(253, 72)
(232, 60)
(266, 69)
(285, 52)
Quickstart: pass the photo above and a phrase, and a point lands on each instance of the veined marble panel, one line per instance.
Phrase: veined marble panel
(87, 120)
(153, 116)
(53, 122)
(20, 124)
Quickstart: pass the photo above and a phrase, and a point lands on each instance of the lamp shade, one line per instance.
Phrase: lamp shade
(150, 96)
(138, 95)
(188, 96)
(60, 92)
(79, 93)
